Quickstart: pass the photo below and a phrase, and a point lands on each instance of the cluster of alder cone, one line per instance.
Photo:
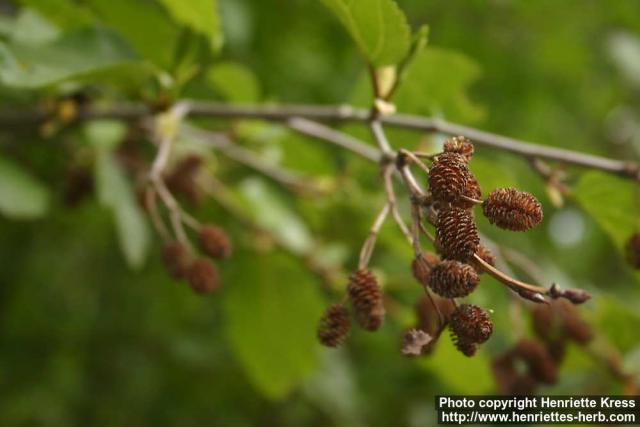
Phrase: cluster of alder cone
(454, 272)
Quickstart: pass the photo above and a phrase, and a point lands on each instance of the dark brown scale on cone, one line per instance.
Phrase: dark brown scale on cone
(471, 190)
(633, 250)
(468, 348)
(366, 297)
(460, 145)
(512, 209)
(177, 259)
(203, 276)
(471, 323)
(453, 279)
(214, 242)
(422, 264)
(448, 177)
(486, 255)
(539, 362)
(456, 234)
(334, 326)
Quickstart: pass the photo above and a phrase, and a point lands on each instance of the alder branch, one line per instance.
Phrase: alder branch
(10, 119)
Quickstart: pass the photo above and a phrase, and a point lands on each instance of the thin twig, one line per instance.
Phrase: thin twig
(344, 113)
(369, 243)
(225, 145)
(391, 199)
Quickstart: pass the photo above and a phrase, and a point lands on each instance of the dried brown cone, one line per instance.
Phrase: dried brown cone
(471, 190)
(512, 209)
(177, 259)
(465, 347)
(214, 242)
(448, 177)
(456, 234)
(471, 323)
(203, 276)
(486, 255)
(453, 279)
(539, 362)
(460, 145)
(633, 250)
(334, 326)
(366, 297)
(182, 179)
(422, 264)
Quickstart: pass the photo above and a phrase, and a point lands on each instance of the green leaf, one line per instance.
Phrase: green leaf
(610, 201)
(272, 308)
(144, 24)
(115, 192)
(199, 15)
(437, 82)
(235, 82)
(65, 13)
(273, 213)
(74, 55)
(21, 196)
(378, 27)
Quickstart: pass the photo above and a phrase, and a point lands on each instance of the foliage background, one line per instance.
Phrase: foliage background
(87, 340)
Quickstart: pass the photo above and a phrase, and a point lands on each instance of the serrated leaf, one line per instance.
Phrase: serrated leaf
(199, 15)
(611, 202)
(21, 195)
(378, 27)
(235, 82)
(115, 192)
(272, 309)
(75, 55)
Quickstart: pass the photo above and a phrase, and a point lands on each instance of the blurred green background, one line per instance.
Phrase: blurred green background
(94, 332)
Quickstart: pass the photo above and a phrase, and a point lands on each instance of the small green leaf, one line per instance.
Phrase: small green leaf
(75, 55)
(199, 15)
(378, 27)
(235, 82)
(21, 196)
(272, 309)
(610, 201)
(115, 192)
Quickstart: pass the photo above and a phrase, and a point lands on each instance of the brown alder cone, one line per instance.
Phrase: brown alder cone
(465, 347)
(456, 234)
(472, 190)
(422, 264)
(453, 279)
(539, 362)
(633, 250)
(177, 259)
(460, 145)
(512, 209)
(471, 323)
(366, 297)
(558, 320)
(214, 242)
(448, 177)
(334, 326)
(203, 276)
(427, 313)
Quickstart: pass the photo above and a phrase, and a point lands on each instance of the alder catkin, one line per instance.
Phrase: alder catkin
(471, 323)
(460, 145)
(176, 259)
(539, 362)
(456, 234)
(422, 264)
(448, 177)
(203, 276)
(512, 209)
(366, 297)
(334, 326)
(453, 279)
(214, 242)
